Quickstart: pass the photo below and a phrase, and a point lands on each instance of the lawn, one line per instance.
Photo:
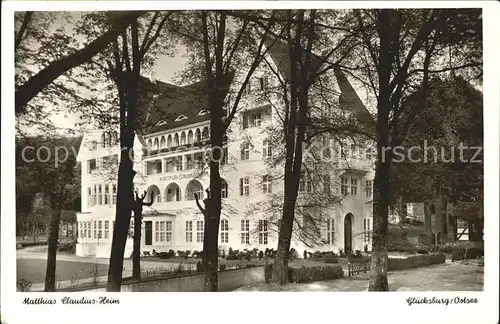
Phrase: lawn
(33, 270)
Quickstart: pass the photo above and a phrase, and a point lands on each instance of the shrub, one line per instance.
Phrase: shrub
(317, 256)
(222, 267)
(365, 248)
(261, 255)
(268, 272)
(414, 261)
(67, 247)
(231, 257)
(23, 285)
(187, 253)
(248, 255)
(18, 246)
(305, 254)
(341, 253)
(293, 255)
(146, 253)
(310, 274)
(199, 267)
(331, 259)
(357, 253)
(171, 253)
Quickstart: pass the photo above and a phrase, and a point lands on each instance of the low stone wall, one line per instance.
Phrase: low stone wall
(228, 280)
(415, 261)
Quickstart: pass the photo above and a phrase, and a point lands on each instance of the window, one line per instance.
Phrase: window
(90, 198)
(330, 231)
(106, 229)
(180, 118)
(368, 188)
(131, 228)
(114, 195)
(366, 230)
(245, 231)
(343, 186)
(95, 229)
(462, 223)
(245, 186)
(199, 231)
(225, 157)
(163, 231)
(224, 231)
(245, 151)
(262, 231)
(257, 120)
(263, 82)
(99, 194)
(354, 187)
(202, 112)
(189, 231)
(179, 163)
(88, 229)
(306, 186)
(248, 88)
(266, 184)
(106, 194)
(326, 184)
(223, 189)
(266, 149)
(91, 166)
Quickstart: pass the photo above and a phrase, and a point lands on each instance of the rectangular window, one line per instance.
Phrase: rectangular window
(263, 82)
(106, 229)
(266, 184)
(131, 228)
(189, 231)
(225, 156)
(343, 186)
(106, 194)
(245, 186)
(354, 187)
(245, 231)
(179, 163)
(91, 166)
(90, 201)
(114, 195)
(369, 188)
(245, 152)
(88, 230)
(95, 229)
(224, 231)
(99, 194)
(163, 231)
(82, 235)
(257, 120)
(263, 231)
(462, 223)
(330, 231)
(306, 186)
(199, 231)
(266, 149)
(223, 189)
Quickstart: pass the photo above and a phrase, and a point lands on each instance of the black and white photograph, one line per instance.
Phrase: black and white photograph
(260, 148)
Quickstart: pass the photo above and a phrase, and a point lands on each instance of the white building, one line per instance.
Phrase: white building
(176, 127)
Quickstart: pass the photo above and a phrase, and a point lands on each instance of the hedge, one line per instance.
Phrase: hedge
(415, 261)
(309, 274)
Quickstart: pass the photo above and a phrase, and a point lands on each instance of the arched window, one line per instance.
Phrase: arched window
(169, 141)
(156, 192)
(176, 140)
(190, 137)
(173, 192)
(162, 142)
(183, 138)
(194, 187)
(156, 144)
(198, 135)
(103, 139)
(206, 133)
(150, 144)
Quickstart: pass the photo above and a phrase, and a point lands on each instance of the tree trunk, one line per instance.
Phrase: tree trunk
(280, 272)
(50, 273)
(122, 219)
(136, 254)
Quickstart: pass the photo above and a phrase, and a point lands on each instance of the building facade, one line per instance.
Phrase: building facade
(170, 155)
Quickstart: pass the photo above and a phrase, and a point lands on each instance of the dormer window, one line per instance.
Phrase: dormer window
(161, 122)
(202, 112)
(180, 118)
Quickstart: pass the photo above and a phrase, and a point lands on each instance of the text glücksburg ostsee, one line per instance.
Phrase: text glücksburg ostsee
(102, 300)
(440, 301)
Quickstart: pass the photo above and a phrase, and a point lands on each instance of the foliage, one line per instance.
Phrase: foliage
(415, 261)
(222, 267)
(199, 267)
(23, 285)
(319, 273)
(293, 254)
(67, 247)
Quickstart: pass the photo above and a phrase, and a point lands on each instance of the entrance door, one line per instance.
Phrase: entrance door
(148, 237)
(348, 233)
